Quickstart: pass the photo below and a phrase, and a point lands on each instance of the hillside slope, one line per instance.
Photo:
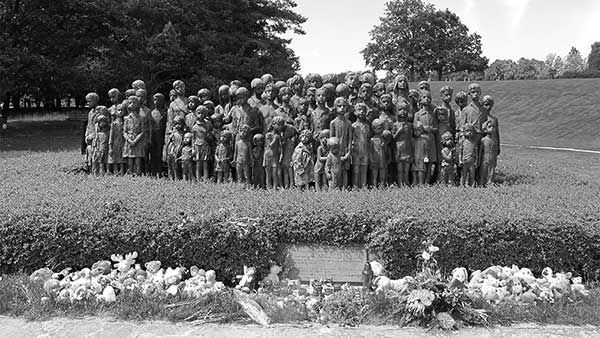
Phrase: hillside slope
(558, 113)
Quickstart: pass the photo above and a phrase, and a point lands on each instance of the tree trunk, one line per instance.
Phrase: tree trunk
(440, 73)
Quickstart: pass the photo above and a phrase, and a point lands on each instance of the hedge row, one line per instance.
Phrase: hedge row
(539, 216)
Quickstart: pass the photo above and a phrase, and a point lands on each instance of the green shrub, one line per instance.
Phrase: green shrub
(539, 216)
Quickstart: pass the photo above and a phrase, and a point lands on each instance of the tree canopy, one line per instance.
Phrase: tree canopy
(61, 48)
(415, 37)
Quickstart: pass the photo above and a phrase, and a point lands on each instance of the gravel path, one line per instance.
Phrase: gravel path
(103, 327)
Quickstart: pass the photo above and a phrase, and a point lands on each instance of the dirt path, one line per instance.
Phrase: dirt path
(103, 327)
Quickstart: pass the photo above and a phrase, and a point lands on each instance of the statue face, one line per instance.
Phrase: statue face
(475, 94)
(302, 107)
(92, 102)
(187, 139)
(321, 97)
(488, 105)
(386, 102)
(180, 89)
(269, 93)
(426, 99)
(133, 105)
(158, 101)
(285, 97)
(402, 113)
(121, 111)
(446, 96)
(340, 107)
(114, 98)
(402, 83)
(364, 93)
(361, 112)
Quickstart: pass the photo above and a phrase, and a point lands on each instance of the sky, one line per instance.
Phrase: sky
(337, 30)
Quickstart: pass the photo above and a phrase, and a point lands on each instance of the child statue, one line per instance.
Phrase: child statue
(403, 133)
(269, 108)
(448, 154)
(258, 152)
(446, 96)
(488, 103)
(365, 95)
(92, 100)
(224, 102)
(430, 128)
(322, 152)
(242, 155)
(311, 96)
(202, 132)
(190, 117)
(116, 142)
(204, 94)
(388, 111)
(146, 115)
(378, 91)
(177, 107)
(257, 87)
(288, 135)
(420, 154)
(333, 164)
(413, 101)
(330, 96)
(488, 154)
(100, 145)
(424, 85)
(187, 157)
(302, 120)
(461, 100)
(285, 110)
(174, 145)
(313, 80)
(223, 157)
(114, 95)
(296, 85)
(377, 155)
(272, 159)
(321, 117)
(302, 161)
(341, 129)
(134, 133)
(242, 114)
(400, 96)
(361, 134)
(467, 155)
(158, 119)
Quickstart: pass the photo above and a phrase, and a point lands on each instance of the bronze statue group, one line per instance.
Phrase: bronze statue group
(303, 132)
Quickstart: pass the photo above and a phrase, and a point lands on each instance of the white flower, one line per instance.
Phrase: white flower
(426, 255)
(433, 248)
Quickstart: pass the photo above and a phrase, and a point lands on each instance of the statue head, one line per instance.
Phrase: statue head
(367, 77)
(361, 110)
(488, 102)
(267, 78)
(257, 87)
(223, 94)
(193, 103)
(377, 126)
(379, 89)
(142, 94)
(475, 92)
(138, 84)
(285, 94)
(241, 95)
(461, 99)
(296, 83)
(424, 85)
(158, 100)
(401, 83)
(133, 104)
(425, 97)
(386, 102)
(114, 95)
(179, 87)
(204, 94)
(92, 100)
(446, 94)
(314, 80)
(365, 92)
(342, 90)
(341, 105)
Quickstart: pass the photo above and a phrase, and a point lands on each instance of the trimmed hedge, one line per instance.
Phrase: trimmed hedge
(538, 216)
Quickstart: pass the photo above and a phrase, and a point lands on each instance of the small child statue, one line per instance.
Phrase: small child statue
(288, 135)
(268, 109)
(158, 119)
(322, 152)
(257, 87)
(462, 100)
(187, 157)
(467, 155)
(134, 133)
(377, 155)
(115, 98)
(333, 164)
(388, 114)
(488, 154)
(448, 169)
(321, 116)
(100, 146)
(272, 158)
(224, 102)
(202, 133)
(361, 134)
(302, 120)
(116, 142)
(285, 110)
(341, 128)
(403, 134)
(190, 118)
(174, 145)
(429, 120)
(223, 156)
(258, 152)
(296, 84)
(446, 97)
(302, 161)
(242, 155)
(420, 153)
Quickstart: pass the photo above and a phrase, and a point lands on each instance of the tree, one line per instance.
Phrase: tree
(502, 70)
(60, 48)
(593, 61)
(573, 61)
(415, 37)
(554, 65)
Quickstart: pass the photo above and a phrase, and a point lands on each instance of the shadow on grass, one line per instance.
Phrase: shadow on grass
(41, 136)
(513, 178)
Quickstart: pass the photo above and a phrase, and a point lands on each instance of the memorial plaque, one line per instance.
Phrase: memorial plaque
(341, 263)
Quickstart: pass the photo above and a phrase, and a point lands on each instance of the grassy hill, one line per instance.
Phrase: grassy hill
(558, 113)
